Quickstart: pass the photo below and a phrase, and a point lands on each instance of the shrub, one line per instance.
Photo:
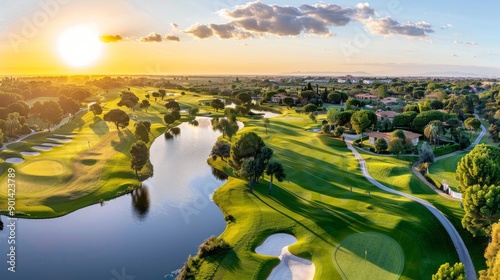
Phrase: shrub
(213, 246)
(446, 150)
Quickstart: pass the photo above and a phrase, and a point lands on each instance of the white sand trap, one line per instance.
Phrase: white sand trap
(290, 266)
(30, 153)
(64, 135)
(14, 160)
(42, 148)
(51, 145)
(61, 140)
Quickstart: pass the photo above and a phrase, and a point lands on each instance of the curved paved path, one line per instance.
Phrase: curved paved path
(431, 186)
(459, 244)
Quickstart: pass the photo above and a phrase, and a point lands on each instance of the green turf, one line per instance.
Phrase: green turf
(73, 176)
(317, 206)
(444, 169)
(369, 255)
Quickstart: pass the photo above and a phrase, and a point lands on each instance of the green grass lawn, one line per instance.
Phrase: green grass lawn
(444, 169)
(369, 255)
(73, 176)
(317, 206)
(396, 174)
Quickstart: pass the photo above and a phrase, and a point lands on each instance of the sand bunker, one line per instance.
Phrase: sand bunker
(30, 153)
(291, 266)
(51, 144)
(61, 140)
(44, 168)
(14, 160)
(65, 135)
(42, 148)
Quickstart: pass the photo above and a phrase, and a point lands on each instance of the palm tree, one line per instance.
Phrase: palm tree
(275, 169)
(433, 130)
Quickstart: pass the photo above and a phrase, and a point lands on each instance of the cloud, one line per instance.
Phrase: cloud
(172, 38)
(200, 31)
(152, 37)
(110, 38)
(465, 43)
(446, 26)
(389, 26)
(260, 19)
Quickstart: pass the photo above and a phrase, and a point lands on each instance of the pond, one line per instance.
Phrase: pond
(147, 234)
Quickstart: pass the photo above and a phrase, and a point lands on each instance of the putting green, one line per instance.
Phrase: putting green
(384, 257)
(44, 168)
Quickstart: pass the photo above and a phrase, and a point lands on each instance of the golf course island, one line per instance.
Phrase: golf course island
(308, 187)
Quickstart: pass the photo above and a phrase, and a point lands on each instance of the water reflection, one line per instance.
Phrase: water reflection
(168, 135)
(140, 202)
(194, 123)
(219, 174)
(175, 130)
(1, 224)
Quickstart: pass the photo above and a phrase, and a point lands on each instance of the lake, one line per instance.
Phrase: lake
(146, 235)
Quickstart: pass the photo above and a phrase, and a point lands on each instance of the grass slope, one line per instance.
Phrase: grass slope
(396, 173)
(73, 176)
(317, 206)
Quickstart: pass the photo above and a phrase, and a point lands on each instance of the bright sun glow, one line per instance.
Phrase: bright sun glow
(79, 46)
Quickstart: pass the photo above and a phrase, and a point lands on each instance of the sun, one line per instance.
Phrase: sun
(79, 46)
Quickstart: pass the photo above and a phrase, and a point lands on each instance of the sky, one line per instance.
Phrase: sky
(227, 37)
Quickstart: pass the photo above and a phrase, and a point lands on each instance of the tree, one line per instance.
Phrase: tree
(220, 149)
(334, 98)
(173, 106)
(145, 105)
(68, 105)
(363, 119)
(140, 156)
(398, 133)
(426, 153)
(307, 94)
(217, 104)
(424, 118)
(96, 109)
(382, 91)
(118, 117)
(267, 122)
(478, 174)
(1, 138)
(225, 126)
(248, 145)
(128, 99)
(141, 132)
(162, 93)
(288, 101)
(13, 124)
(447, 272)
(472, 124)
(331, 116)
(482, 208)
(492, 255)
(479, 167)
(275, 169)
(250, 170)
(193, 111)
(243, 98)
(156, 94)
(433, 130)
(52, 112)
(396, 146)
(312, 117)
(169, 119)
(380, 145)
(344, 118)
(309, 108)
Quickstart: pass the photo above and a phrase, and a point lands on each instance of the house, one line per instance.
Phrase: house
(413, 137)
(365, 96)
(388, 100)
(278, 98)
(386, 115)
